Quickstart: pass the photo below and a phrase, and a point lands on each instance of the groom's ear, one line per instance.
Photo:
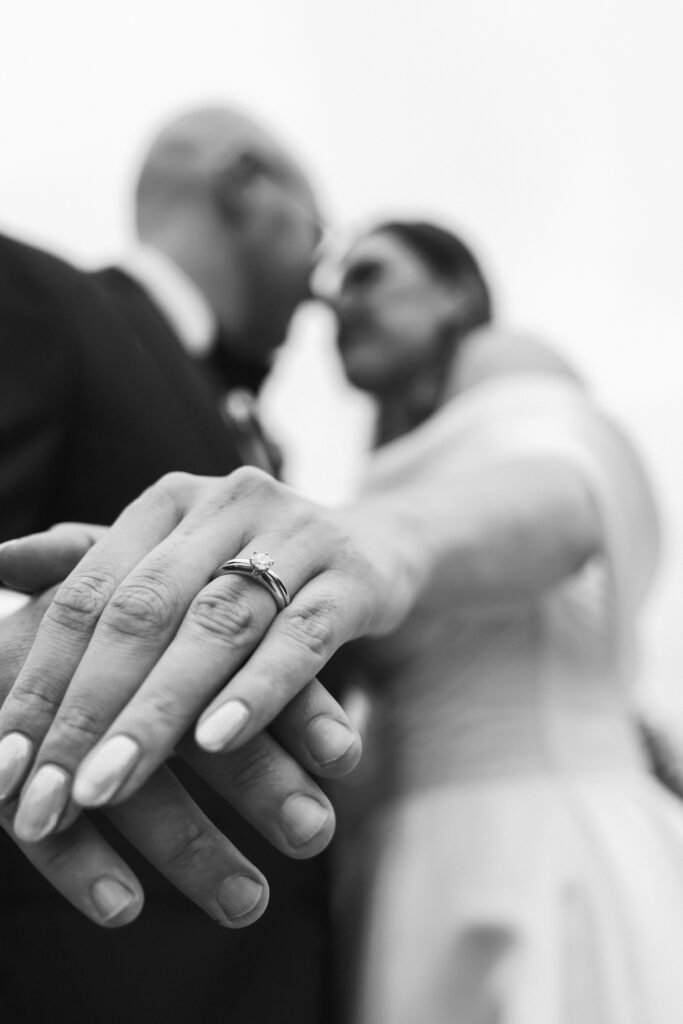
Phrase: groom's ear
(234, 185)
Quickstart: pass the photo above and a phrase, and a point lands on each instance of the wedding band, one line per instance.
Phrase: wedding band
(258, 568)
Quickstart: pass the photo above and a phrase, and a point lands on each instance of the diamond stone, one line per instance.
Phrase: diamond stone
(261, 561)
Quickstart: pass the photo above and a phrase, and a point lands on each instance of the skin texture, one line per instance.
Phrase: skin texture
(162, 821)
(122, 609)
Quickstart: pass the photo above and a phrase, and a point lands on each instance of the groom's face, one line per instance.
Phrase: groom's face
(274, 243)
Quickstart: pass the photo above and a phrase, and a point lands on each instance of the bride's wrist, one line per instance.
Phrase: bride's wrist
(391, 537)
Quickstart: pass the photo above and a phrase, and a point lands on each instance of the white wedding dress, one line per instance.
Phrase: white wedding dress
(506, 857)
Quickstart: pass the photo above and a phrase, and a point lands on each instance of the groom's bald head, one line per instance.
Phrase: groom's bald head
(221, 196)
(193, 154)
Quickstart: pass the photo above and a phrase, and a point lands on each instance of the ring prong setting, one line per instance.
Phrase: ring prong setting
(261, 561)
(258, 568)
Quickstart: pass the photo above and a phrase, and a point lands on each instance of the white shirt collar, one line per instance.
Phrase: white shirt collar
(176, 295)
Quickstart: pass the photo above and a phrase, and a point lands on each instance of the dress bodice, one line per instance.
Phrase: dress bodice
(544, 685)
(538, 688)
(501, 853)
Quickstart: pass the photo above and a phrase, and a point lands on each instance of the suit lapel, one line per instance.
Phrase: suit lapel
(195, 386)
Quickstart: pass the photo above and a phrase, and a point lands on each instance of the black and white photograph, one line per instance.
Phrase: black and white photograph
(341, 512)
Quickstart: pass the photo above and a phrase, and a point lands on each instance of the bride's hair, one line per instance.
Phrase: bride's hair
(449, 258)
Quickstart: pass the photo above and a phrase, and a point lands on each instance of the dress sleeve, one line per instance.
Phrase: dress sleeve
(529, 415)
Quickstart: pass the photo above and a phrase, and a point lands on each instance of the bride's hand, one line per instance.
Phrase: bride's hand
(136, 642)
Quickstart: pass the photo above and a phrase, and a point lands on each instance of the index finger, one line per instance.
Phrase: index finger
(84, 869)
(67, 626)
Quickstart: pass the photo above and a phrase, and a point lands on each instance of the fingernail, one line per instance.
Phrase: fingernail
(303, 818)
(328, 740)
(222, 725)
(238, 895)
(15, 755)
(111, 897)
(42, 804)
(104, 771)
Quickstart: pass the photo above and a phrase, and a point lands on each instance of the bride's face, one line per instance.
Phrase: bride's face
(391, 310)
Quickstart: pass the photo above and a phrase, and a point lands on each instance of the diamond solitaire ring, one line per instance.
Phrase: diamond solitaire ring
(258, 568)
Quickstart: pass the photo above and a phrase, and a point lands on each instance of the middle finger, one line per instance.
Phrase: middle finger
(172, 832)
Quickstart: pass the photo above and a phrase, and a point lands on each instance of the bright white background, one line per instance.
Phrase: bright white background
(548, 132)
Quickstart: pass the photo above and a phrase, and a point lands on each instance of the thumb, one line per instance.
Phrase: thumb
(42, 559)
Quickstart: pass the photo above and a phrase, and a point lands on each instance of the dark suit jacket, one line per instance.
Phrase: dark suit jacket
(97, 400)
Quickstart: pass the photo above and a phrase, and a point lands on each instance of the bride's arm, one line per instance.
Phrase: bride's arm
(517, 481)
(502, 531)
